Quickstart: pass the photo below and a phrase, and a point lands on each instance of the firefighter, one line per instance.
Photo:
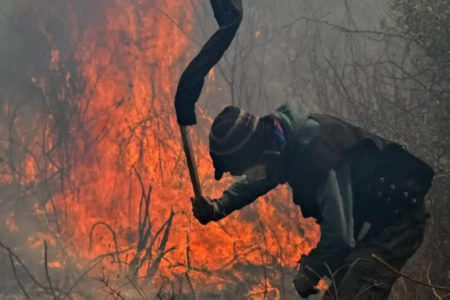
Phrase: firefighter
(365, 192)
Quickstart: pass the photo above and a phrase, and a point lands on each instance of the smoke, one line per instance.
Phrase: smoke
(87, 126)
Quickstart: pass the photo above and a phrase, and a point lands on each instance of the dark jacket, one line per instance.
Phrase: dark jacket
(321, 154)
(309, 164)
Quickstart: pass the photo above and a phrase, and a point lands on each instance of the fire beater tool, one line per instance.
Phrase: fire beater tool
(228, 14)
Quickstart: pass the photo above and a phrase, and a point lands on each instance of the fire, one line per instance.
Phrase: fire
(30, 170)
(131, 58)
(37, 240)
(55, 264)
(11, 223)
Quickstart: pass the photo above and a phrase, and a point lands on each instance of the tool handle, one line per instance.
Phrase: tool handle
(192, 166)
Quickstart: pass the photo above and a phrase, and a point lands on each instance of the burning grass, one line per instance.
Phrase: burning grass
(98, 168)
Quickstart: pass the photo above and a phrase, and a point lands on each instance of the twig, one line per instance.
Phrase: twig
(434, 290)
(35, 281)
(143, 221)
(11, 253)
(344, 29)
(442, 175)
(17, 277)
(158, 295)
(162, 246)
(114, 239)
(84, 274)
(16, 28)
(263, 256)
(144, 227)
(46, 271)
(443, 288)
(188, 259)
(178, 26)
(104, 279)
(334, 286)
(104, 255)
(136, 286)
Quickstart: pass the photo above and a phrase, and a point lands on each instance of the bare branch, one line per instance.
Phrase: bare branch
(443, 288)
(114, 239)
(46, 271)
(16, 276)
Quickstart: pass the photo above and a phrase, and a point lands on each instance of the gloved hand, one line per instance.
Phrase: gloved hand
(304, 285)
(206, 209)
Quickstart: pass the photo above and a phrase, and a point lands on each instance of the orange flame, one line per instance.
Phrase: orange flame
(131, 59)
(11, 223)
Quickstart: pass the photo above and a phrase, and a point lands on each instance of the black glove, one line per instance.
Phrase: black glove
(206, 209)
(304, 286)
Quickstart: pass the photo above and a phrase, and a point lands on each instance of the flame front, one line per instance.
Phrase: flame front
(125, 131)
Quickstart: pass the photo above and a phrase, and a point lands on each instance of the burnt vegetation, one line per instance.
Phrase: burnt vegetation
(384, 65)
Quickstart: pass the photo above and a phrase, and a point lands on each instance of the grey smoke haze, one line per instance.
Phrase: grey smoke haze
(345, 58)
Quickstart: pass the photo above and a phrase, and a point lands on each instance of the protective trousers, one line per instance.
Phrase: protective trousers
(364, 277)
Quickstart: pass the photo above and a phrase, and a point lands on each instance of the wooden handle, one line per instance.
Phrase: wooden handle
(187, 145)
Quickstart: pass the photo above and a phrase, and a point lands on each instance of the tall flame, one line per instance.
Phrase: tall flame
(131, 58)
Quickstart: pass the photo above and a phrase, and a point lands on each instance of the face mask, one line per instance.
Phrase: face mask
(257, 172)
